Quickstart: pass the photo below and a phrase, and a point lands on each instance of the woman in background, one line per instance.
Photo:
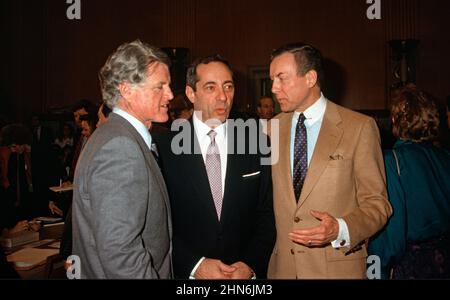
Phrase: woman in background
(415, 242)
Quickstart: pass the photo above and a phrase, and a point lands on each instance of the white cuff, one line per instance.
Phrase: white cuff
(343, 238)
(192, 275)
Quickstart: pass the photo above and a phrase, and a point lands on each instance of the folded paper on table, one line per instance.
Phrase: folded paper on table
(58, 189)
(49, 220)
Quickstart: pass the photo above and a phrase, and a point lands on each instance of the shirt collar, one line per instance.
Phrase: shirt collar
(313, 113)
(202, 130)
(138, 125)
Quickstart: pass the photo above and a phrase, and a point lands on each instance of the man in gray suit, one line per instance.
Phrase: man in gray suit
(121, 212)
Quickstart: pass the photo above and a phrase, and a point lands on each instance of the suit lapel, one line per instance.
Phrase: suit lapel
(232, 175)
(284, 157)
(329, 137)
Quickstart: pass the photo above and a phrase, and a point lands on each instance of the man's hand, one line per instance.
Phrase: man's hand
(20, 227)
(34, 225)
(54, 209)
(320, 235)
(242, 271)
(213, 269)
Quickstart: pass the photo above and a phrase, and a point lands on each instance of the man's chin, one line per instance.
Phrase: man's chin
(161, 119)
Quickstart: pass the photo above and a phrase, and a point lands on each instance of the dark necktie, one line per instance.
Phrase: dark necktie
(300, 156)
(155, 153)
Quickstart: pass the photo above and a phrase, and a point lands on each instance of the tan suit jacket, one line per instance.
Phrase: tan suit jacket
(345, 178)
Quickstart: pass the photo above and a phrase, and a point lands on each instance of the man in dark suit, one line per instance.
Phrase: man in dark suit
(221, 201)
(121, 211)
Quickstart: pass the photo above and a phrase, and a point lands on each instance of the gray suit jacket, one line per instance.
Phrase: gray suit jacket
(121, 213)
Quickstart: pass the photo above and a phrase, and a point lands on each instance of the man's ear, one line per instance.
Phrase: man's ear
(126, 91)
(311, 78)
(190, 94)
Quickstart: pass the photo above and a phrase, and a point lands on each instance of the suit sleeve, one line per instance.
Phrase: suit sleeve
(118, 187)
(373, 207)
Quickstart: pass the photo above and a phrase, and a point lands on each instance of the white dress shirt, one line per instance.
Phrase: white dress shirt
(138, 125)
(201, 132)
(314, 117)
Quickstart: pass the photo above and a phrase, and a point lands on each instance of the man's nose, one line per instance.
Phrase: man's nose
(169, 94)
(222, 96)
(275, 87)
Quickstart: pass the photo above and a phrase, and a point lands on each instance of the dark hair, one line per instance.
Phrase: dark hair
(191, 75)
(91, 119)
(415, 115)
(17, 134)
(265, 97)
(306, 57)
(448, 103)
(105, 110)
(83, 103)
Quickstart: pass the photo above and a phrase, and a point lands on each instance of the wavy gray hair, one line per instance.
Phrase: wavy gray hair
(128, 63)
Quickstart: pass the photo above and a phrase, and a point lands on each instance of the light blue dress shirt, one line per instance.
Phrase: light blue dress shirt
(314, 117)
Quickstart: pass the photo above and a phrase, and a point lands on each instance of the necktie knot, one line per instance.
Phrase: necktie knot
(212, 135)
(301, 120)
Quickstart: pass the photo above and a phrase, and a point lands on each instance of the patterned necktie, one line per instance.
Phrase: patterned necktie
(300, 156)
(214, 172)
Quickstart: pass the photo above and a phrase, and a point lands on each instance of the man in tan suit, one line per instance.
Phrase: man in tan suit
(329, 181)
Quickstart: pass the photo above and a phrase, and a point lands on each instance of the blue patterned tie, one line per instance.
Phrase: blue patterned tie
(300, 156)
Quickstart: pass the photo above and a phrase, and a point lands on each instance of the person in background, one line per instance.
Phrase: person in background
(415, 243)
(88, 125)
(17, 172)
(83, 107)
(45, 164)
(266, 108)
(103, 114)
(121, 213)
(65, 138)
(180, 108)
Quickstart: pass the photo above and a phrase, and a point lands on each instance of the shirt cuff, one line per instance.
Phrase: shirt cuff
(192, 275)
(343, 238)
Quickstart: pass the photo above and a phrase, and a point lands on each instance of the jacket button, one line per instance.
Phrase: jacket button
(292, 251)
(297, 219)
(342, 243)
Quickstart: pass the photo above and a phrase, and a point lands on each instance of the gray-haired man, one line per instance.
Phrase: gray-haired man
(121, 213)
